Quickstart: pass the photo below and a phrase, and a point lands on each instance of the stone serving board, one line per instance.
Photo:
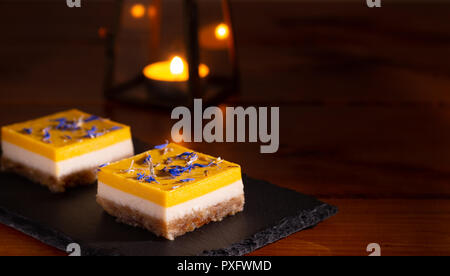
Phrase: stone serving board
(271, 213)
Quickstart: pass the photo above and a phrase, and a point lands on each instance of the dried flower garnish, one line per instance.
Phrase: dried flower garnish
(92, 133)
(130, 169)
(91, 118)
(66, 138)
(216, 162)
(79, 123)
(176, 170)
(102, 166)
(192, 159)
(168, 161)
(46, 135)
(140, 176)
(149, 162)
(162, 146)
(64, 124)
(166, 149)
(151, 179)
(187, 180)
(61, 122)
(185, 155)
(144, 177)
(115, 128)
(198, 165)
(27, 130)
(175, 187)
(148, 159)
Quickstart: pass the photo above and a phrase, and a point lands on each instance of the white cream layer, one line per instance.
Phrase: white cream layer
(63, 168)
(167, 214)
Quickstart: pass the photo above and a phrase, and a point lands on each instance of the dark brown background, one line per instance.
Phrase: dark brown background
(364, 100)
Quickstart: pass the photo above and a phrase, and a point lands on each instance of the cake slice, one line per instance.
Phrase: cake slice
(64, 149)
(170, 190)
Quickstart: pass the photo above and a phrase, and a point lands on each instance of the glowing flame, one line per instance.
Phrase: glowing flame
(137, 10)
(222, 31)
(177, 66)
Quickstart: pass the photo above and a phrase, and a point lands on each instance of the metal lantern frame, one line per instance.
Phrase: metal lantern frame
(196, 89)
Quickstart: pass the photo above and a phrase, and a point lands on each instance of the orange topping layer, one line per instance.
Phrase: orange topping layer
(65, 135)
(134, 175)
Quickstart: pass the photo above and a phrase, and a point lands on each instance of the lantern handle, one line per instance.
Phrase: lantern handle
(192, 48)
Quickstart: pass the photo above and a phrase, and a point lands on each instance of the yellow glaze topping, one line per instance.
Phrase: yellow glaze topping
(174, 179)
(65, 135)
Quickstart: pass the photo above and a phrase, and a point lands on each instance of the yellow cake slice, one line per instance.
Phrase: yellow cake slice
(170, 190)
(64, 149)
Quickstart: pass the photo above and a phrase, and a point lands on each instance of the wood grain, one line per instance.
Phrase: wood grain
(363, 94)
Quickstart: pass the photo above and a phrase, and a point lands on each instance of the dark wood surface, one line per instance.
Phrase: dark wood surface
(364, 99)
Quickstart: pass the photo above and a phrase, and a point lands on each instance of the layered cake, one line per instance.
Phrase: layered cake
(170, 190)
(64, 149)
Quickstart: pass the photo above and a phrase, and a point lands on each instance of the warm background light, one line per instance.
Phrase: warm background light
(137, 10)
(102, 32)
(152, 11)
(222, 31)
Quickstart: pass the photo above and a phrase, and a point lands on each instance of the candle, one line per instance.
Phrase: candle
(174, 70)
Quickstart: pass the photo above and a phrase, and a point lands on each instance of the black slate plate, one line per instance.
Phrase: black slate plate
(271, 213)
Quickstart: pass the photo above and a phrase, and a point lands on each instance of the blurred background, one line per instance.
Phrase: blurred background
(363, 94)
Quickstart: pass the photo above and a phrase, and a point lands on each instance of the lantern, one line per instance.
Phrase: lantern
(165, 53)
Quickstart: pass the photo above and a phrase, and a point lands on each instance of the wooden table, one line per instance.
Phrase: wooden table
(364, 99)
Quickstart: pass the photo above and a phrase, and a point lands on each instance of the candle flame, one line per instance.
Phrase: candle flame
(222, 31)
(177, 66)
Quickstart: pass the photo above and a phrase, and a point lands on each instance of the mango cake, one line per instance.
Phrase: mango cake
(64, 149)
(170, 190)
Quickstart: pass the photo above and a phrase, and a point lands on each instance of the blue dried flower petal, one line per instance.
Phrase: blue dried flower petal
(27, 130)
(148, 159)
(103, 165)
(115, 128)
(91, 118)
(197, 165)
(187, 180)
(140, 176)
(184, 155)
(65, 126)
(47, 136)
(162, 146)
(91, 133)
(175, 172)
(151, 179)
(60, 120)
